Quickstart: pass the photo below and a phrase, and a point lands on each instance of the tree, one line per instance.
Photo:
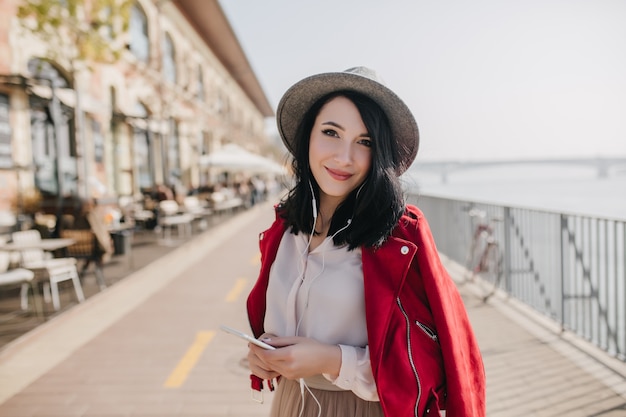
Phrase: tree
(79, 30)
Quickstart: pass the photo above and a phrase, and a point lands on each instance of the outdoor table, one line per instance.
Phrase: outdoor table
(48, 245)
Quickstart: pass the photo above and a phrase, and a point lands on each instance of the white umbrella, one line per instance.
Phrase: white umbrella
(235, 158)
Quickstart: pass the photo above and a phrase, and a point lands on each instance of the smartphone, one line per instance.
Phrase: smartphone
(246, 337)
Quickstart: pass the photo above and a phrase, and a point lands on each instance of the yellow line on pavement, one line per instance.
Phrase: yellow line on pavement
(186, 364)
(233, 295)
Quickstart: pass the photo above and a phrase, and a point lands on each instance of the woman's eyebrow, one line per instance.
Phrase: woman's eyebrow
(337, 125)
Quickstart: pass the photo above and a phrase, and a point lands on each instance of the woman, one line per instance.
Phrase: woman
(351, 292)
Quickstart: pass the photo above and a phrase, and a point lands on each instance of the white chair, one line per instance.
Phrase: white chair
(7, 221)
(200, 212)
(170, 217)
(225, 200)
(193, 205)
(45, 268)
(18, 277)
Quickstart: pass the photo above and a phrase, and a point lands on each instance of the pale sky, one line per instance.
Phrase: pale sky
(485, 79)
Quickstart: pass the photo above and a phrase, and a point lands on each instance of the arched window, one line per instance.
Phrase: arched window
(53, 147)
(139, 41)
(169, 61)
(41, 69)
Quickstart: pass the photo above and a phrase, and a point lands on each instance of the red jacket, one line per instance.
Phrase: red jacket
(423, 351)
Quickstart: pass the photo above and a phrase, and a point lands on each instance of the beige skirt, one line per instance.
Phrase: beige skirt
(287, 402)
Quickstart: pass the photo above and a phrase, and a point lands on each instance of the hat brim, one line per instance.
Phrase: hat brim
(299, 98)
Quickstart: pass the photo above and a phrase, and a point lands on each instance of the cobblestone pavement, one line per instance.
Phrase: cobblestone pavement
(149, 345)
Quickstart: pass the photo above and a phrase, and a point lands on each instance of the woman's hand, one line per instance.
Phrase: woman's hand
(257, 366)
(294, 358)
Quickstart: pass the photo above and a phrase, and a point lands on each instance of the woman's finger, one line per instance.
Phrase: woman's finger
(258, 366)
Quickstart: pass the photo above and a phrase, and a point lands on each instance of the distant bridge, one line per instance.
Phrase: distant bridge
(443, 168)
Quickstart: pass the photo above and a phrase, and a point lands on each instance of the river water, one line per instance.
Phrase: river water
(554, 188)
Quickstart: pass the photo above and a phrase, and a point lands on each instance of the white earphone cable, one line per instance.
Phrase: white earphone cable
(312, 280)
(303, 385)
(302, 271)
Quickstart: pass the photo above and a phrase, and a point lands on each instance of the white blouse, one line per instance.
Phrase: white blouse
(319, 294)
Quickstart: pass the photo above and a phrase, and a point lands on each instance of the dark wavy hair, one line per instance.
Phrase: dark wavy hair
(375, 207)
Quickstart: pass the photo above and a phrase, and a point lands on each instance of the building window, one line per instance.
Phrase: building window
(6, 159)
(98, 141)
(139, 41)
(169, 61)
(54, 157)
(173, 152)
(141, 152)
(45, 73)
(200, 92)
(142, 159)
(206, 143)
(42, 131)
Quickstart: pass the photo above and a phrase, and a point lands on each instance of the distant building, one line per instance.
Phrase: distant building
(182, 88)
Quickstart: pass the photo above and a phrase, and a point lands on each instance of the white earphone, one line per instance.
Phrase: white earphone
(313, 201)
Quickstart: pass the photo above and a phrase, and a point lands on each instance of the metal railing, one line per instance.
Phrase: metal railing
(569, 267)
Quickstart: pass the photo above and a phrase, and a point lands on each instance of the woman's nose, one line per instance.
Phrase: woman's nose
(343, 153)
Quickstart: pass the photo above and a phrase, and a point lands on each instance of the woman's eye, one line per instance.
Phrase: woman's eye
(330, 132)
(366, 142)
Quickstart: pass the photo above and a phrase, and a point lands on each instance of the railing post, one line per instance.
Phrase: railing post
(507, 249)
(563, 251)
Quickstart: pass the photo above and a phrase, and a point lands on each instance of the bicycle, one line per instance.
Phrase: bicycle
(484, 257)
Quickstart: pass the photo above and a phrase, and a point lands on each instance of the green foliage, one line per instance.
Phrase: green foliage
(85, 30)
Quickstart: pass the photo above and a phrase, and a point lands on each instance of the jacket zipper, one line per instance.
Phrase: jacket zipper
(408, 341)
(429, 332)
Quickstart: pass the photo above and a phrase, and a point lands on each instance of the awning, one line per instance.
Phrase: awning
(235, 158)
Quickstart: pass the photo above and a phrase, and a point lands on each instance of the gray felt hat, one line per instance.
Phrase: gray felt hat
(301, 96)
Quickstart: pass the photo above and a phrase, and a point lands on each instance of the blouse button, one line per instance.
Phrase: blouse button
(404, 250)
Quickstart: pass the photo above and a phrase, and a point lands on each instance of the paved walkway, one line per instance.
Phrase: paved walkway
(150, 346)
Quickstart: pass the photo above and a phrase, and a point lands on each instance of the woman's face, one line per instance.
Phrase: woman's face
(340, 150)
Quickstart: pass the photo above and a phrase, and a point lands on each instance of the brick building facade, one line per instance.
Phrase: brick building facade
(182, 88)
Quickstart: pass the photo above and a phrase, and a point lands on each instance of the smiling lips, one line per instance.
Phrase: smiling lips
(338, 175)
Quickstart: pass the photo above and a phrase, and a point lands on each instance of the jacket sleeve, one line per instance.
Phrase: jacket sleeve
(465, 375)
(256, 302)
